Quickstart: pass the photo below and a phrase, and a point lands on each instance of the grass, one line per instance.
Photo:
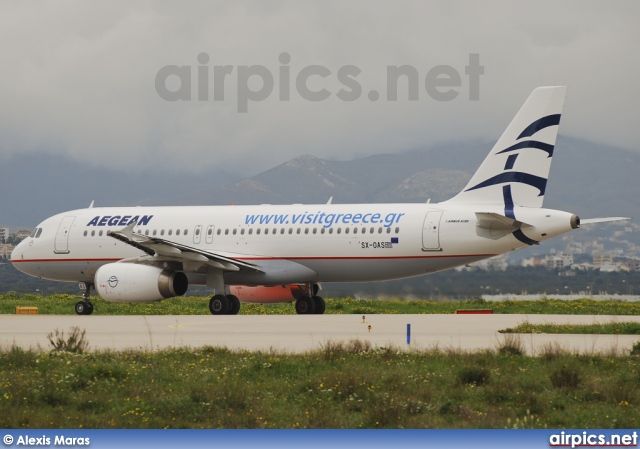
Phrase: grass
(622, 328)
(61, 304)
(341, 385)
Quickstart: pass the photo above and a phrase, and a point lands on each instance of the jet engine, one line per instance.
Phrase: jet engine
(265, 295)
(128, 282)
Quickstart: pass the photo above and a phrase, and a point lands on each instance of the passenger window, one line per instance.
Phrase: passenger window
(209, 231)
(154, 232)
(85, 233)
(290, 230)
(258, 231)
(346, 230)
(197, 232)
(186, 232)
(379, 230)
(306, 230)
(355, 230)
(275, 231)
(250, 231)
(397, 230)
(266, 231)
(298, 231)
(218, 231)
(93, 233)
(330, 230)
(315, 230)
(100, 233)
(242, 232)
(234, 231)
(226, 232)
(339, 230)
(162, 232)
(388, 230)
(322, 231)
(282, 231)
(371, 230)
(177, 231)
(170, 231)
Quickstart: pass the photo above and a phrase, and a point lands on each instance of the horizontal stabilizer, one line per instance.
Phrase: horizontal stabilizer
(603, 220)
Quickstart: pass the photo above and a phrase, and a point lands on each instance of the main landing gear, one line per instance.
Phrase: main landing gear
(224, 305)
(85, 307)
(310, 302)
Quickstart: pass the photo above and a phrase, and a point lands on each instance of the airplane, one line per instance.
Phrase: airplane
(283, 253)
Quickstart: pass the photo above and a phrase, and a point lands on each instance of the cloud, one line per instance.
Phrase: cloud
(79, 78)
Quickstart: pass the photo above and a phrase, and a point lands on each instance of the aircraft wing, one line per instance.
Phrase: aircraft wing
(162, 248)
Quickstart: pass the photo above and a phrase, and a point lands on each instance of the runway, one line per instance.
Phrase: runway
(299, 333)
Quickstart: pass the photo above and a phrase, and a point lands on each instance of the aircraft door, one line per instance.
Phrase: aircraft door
(431, 231)
(197, 234)
(209, 235)
(61, 243)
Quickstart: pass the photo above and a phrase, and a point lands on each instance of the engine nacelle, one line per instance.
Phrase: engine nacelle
(129, 282)
(265, 295)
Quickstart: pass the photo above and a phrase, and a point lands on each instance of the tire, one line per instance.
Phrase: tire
(89, 309)
(81, 308)
(319, 305)
(305, 306)
(234, 304)
(219, 305)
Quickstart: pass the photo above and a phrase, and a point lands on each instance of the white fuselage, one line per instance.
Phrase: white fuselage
(330, 242)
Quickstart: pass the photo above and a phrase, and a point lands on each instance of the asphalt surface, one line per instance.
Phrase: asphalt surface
(295, 333)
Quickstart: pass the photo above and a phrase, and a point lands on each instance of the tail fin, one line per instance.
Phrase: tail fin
(516, 170)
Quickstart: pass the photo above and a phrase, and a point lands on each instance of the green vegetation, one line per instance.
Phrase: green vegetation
(62, 304)
(349, 385)
(625, 328)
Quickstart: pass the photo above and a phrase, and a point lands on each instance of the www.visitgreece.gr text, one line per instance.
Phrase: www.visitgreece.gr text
(324, 219)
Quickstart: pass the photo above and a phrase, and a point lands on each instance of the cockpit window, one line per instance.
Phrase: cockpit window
(33, 233)
(38, 233)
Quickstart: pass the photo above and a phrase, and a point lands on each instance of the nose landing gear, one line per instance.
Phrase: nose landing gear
(85, 307)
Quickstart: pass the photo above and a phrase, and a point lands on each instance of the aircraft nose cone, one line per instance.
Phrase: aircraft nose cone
(18, 254)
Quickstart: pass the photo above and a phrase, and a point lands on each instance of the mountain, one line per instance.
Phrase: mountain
(586, 178)
(36, 186)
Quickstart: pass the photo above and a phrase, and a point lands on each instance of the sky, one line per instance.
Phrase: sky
(242, 86)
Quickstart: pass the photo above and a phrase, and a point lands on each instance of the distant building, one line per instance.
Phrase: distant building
(22, 234)
(601, 260)
(5, 251)
(4, 234)
(559, 261)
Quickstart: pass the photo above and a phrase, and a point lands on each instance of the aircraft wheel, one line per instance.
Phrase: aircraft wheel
(219, 305)
(305, 306)
(319, 305)
(234, 304)
(89, 309)
(81, 308)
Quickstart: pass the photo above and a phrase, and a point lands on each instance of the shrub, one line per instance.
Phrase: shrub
(473, 375)
(511, 345)
(566, 377)
(75, 342)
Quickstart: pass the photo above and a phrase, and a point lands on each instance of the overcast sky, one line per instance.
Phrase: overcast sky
(80, 78)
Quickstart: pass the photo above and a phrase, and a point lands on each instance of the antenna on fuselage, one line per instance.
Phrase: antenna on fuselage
(91, 205)
(330, 200)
